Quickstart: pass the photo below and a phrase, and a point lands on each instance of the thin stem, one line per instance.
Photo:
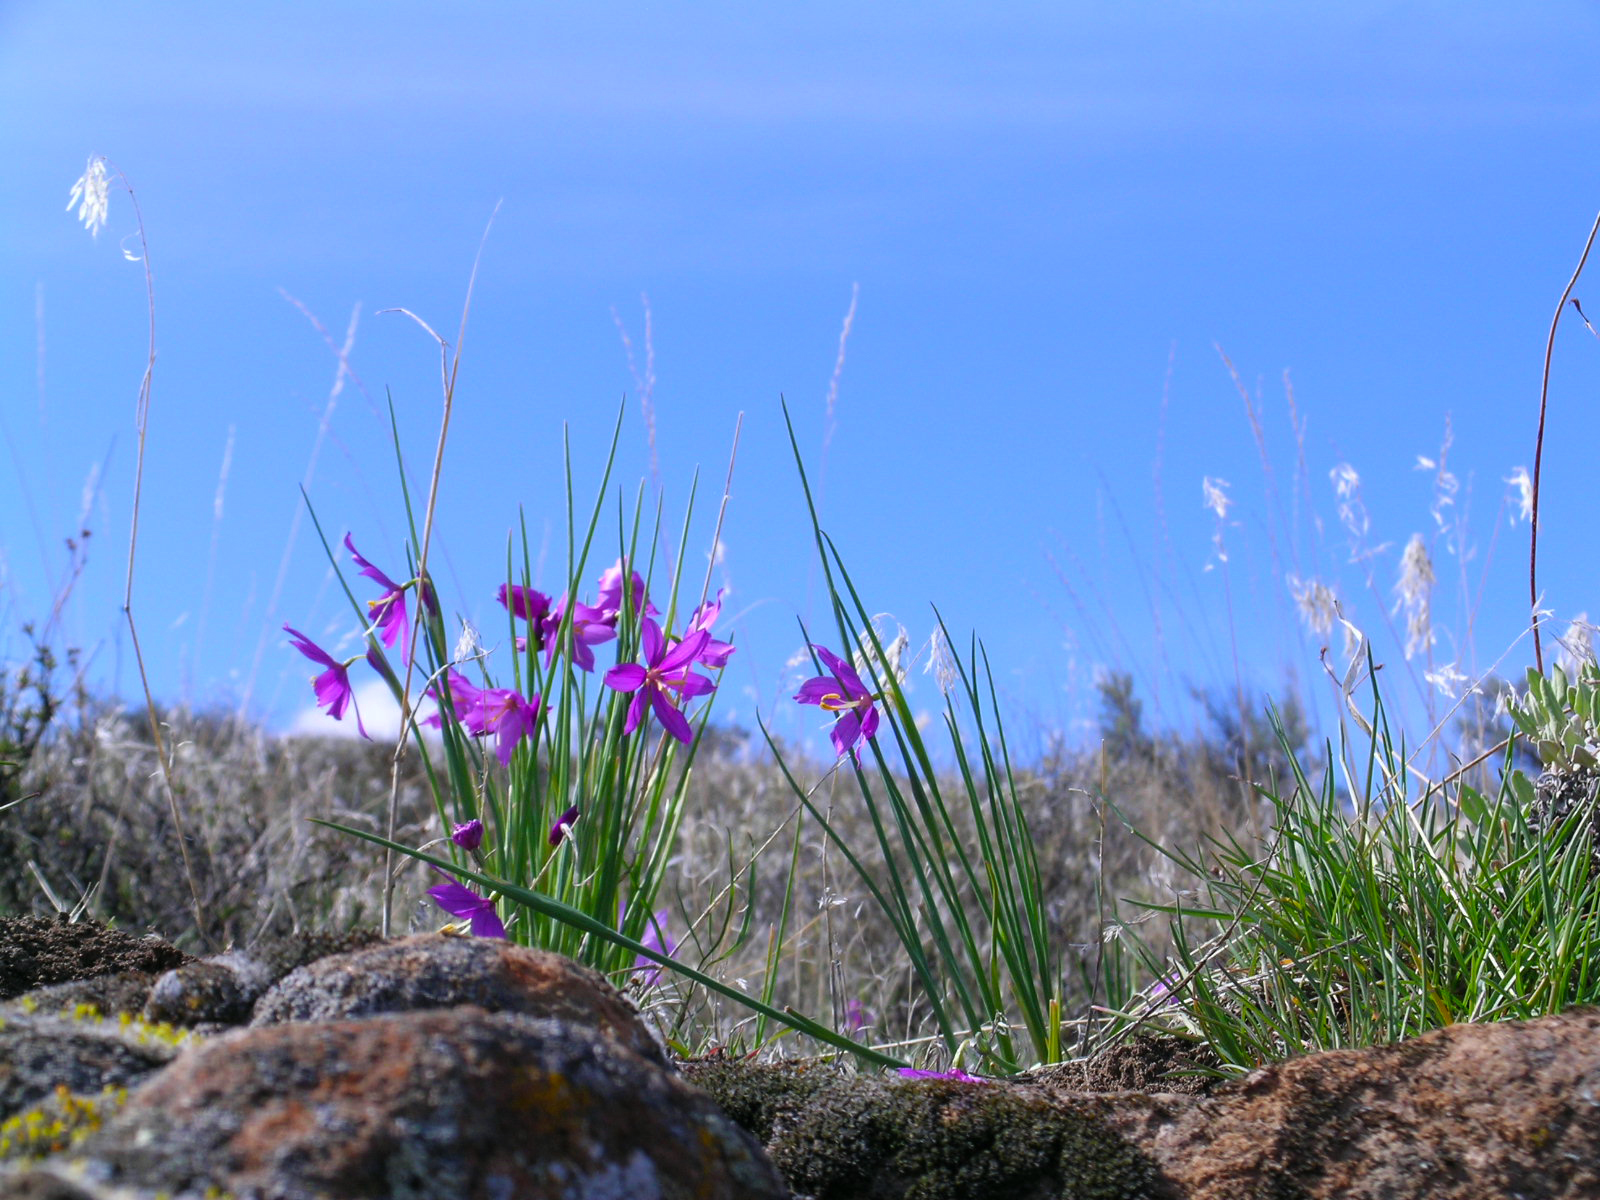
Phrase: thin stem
(1538, 446)
(141, 420)
(722, 509)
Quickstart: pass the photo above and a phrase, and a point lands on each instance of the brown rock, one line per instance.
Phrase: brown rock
(453, 1104)
(1471, 1112)
(432, 971)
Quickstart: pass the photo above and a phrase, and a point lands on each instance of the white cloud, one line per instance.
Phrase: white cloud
(380, 713)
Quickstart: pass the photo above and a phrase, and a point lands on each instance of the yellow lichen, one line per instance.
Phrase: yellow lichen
(145, 1032)
(130, 1026)
(57, 1124)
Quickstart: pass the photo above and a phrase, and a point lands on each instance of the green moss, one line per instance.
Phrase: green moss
(753, 1094)
(943, 1140)
(834, 1135)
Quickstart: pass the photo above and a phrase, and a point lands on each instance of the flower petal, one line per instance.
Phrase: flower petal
(456, 899)
(869, 722)
(695, 685)
(815, 691)
(310, 649)
(843, 672)
(846, 730)
(625, 677)
(675, 722)
(653, 642)
(487, 924)
(684, 653)
(636, 710)
(367, 569)
(716, 654)
(706, 615)
(333, 690)
(563, 825)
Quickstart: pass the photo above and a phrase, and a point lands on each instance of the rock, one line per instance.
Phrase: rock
(84, 1055)
(43, 1185)
(453, 1104)
(108, 995)
(835, 1136)
(208, 993)
(431, 971)
(223, 989)
(35, 952)
(1470, 1112)
(219, 990)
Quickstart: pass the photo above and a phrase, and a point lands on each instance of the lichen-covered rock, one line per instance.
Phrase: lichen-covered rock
(35, 952)
(223, 989)
(83, 1054)
(1470, 1112)
(108, 995)
(67, 1181)
(220, 990)
(57, 1123)
(432, 971)
(453, 1104)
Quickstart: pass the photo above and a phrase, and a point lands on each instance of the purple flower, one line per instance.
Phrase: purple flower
(655, 938)
(842, 692)
(856, 1017)
(609, 599)
(590, 627)
(333, 685)
(716, 654)
(527, 605)
(501, 711)
(563, 825)
(666, 671)
(388, 611)
(960, 1076)
(468, 836)
(461, 901)
(1161, 992)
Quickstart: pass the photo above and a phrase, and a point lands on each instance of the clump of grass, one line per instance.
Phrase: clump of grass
(1380, 910)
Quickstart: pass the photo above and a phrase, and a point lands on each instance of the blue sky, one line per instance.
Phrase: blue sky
(1054, 215)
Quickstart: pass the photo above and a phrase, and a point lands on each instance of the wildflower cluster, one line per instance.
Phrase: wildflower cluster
(662, 683)
(520, 824)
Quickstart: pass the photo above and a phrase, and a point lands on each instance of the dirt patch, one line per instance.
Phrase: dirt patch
(36, 951)
(1152, 1063)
